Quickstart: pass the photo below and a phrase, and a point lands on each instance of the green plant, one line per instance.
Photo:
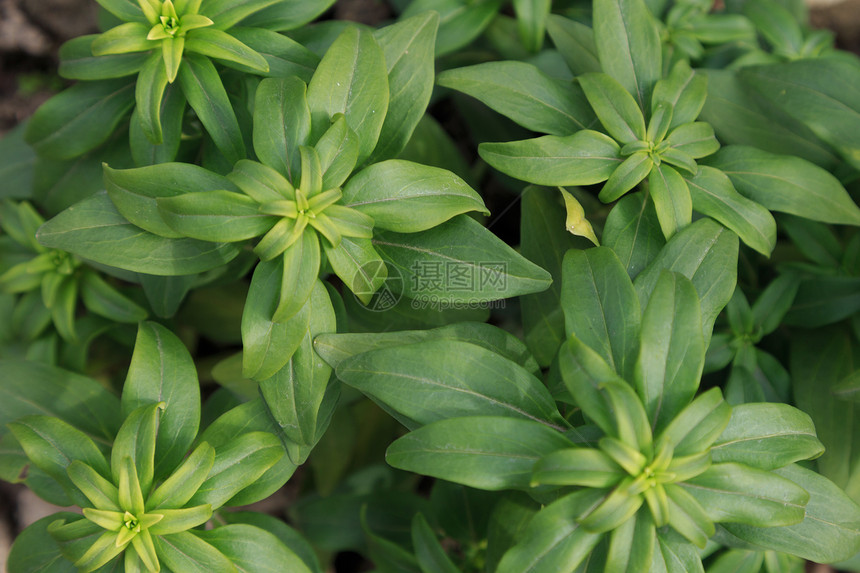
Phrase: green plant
(251, 254)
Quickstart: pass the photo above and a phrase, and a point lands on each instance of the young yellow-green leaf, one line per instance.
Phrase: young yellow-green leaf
(575, 222)
(698, 425)
(584, 158)
(350, 222)
(101, 493)
(767, 436)
(631, 421)
(183, 483)
(100, 552)
(787, 184)
(261, 182)
(485, 452)
(672, 349)
(615, 107)
(628, 45)
(687, 517)
(123, 39)
(407, 197)
(439, 379)
(683, 90)
(130, 494)
(217, 216)
(176, 520)
(358, 265)
(615, 509)
(631, 546)
(222, 46)
(524, 94)
(161, 370)
(351, 79)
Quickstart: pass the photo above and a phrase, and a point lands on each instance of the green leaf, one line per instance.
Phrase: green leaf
(351, 79)
(99, 491)
(295, 394)
(714, 195)
(474, 264)
(544, 240)
(161, 370)
(238, 465)
(358, 264)
(206, 95)
(704, 252)
(460, 22)
(787, 184)
(628, 45)
(428, 551)
(77, 61)
(268, 345)
(335, 348)
(482, 451)
(282, 123)
(626, 176)
(286, 534)
(185, 551)
(730, 492)
(285, 56)
(575, 43)
(554, 540)
(684, 91)
(740, 119)
(631, 547)
(228, 13)
(455, 379)
(615, 108)
(224, 47)
(250, 548)
(287, 14)
(584, 373)
(51, 445)
(217, 216)
(34, 549)
(672, 349)
(136, 441)
(767, 436)
(738, 561)
(36, 388)
(584, 158)
(671, 199)
(600, 307)
(820, 93)
(524, 94)
(171, 110)
(633, 232)
(301, 268)
(408, 49)
(80, 118)
(127, 10)
(407, 197)
(149, 96)
(577, 466)
(135, 191)
(338, 152)
(674, 554)
(829, 532)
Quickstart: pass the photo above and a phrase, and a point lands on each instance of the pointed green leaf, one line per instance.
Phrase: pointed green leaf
(615, 108)
(136, 441)
(217, 216)
(186, 552)
(222, 46)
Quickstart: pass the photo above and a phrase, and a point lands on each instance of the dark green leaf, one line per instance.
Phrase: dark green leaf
(77, 61)
(188, 553)
(671, 199)
(615, 108)
(217, 216)
(282, 123)
(428, 551)
(633, 232)
(526, 95)
(285, 56)
(287, 14)
(250, 548)
(460, 22)
(484, 452)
